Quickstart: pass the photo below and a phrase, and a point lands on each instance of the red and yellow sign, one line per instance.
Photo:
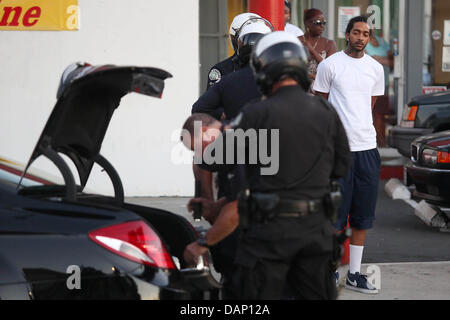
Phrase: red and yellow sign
(39, 15)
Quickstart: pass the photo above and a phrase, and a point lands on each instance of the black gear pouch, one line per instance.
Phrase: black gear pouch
(265, 204)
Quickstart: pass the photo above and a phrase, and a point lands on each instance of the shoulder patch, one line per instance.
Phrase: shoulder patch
(215, 75)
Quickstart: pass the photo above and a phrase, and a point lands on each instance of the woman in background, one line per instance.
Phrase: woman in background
(380, 51)
(319, 47)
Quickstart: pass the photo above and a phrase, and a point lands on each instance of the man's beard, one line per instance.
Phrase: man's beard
(356, 48)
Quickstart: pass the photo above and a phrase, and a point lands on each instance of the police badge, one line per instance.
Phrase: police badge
(215, 75)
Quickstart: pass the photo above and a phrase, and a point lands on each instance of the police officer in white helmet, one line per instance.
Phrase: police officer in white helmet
(219, 102)
(215, 74)
(231, 64)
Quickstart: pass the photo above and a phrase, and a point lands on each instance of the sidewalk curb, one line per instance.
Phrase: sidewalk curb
(399, 281)
(430, 216)
(396, 190)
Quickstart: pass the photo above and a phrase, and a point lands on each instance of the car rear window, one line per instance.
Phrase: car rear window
(428, 114)
(12, 175)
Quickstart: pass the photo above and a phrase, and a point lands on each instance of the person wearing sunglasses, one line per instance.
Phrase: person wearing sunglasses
(319, 47)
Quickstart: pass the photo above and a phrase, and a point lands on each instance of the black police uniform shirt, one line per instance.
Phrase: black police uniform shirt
(231, 178)
(221, 69)
(232, 181)
(230, 94)
(313, 146)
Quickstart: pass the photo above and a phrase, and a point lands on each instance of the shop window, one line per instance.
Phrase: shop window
(437, 42)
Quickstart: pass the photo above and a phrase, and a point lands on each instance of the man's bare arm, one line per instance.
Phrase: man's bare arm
(225, 224)
(205, 177)
(210, 208)
(374, 100)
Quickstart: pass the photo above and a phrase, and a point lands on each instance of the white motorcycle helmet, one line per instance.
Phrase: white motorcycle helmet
(249, 35)
(236, 25)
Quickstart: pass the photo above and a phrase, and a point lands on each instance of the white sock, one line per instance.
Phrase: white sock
(356, 253)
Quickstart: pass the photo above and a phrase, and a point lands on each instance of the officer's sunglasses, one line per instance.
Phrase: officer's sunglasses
(319, 22)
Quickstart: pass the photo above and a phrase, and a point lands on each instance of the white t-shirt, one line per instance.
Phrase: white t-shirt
(296, 31)
(351, 84)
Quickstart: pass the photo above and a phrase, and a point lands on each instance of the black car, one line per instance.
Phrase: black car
(58, 241)
(429, 168)
(424, 115)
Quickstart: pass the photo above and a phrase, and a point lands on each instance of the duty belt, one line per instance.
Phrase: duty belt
(263, 207)
(298, 208)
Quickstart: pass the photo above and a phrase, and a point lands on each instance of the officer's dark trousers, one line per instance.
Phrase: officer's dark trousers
(286, 255)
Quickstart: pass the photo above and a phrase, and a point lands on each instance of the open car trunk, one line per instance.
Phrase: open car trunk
(176, 233)
(87, 98)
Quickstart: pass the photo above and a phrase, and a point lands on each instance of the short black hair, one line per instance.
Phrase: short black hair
(288, 4)
(355, 20)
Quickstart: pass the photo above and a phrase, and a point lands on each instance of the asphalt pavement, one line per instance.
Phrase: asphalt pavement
(400, 236)
(412, 259)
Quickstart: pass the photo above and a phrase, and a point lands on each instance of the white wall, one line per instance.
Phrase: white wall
(140, 32)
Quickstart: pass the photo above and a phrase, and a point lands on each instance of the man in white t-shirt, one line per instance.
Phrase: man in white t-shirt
(352, 80)
(289, 27)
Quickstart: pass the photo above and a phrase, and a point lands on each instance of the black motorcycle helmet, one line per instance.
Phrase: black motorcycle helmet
(279, 54)
(248, 35)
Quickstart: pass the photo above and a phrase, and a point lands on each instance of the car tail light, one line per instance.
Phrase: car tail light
(412, 113)
(135, 241)
(409, 116)
(443, 157)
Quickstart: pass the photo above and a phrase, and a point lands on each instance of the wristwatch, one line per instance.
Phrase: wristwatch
(202, 241)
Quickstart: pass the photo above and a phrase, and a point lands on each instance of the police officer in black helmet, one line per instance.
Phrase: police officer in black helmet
(287, 214)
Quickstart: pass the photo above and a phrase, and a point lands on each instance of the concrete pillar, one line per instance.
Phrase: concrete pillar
(272, 10)
(235, 7)
(387, 20)
(322, 5)
(414, 43)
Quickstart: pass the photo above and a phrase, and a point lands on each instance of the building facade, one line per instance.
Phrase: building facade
(184, 37)
(142, 139)
(417, 31)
